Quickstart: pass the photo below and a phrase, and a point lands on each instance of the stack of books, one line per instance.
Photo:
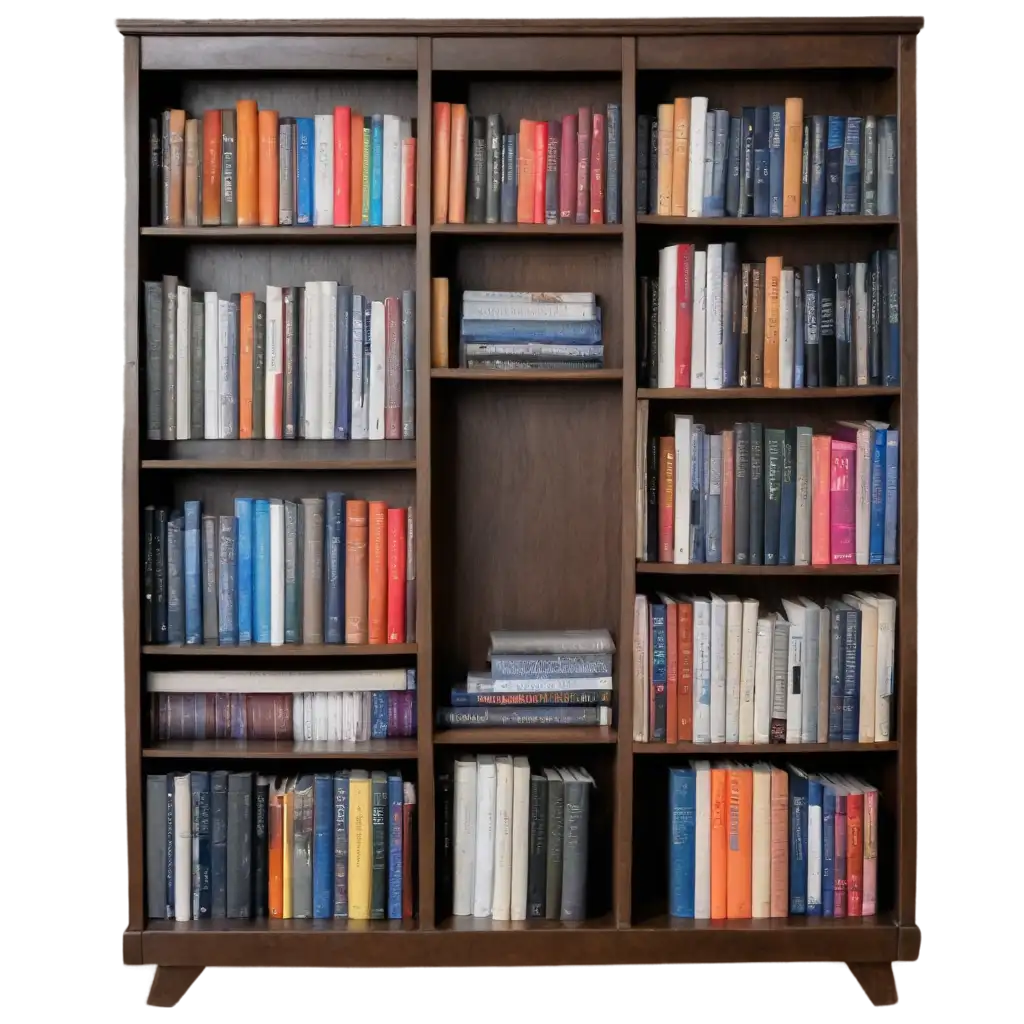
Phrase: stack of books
(768, 162)
(247, 167)
(754, 841)
(538, 678)
(233, 845)
(530, 331)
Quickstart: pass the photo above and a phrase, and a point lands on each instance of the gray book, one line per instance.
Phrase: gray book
(709, 159)
(741, 505)
(286, 173)
(553, 867)
(229, 400)
(176, 579)
(574, 845)
(219, 844)
(869, 168)
(802, 532)
(477, 183)
(612, 164)
(887, 167)
(153, 300)
(757, 311)
(209, 579)
(197, 382)
(259, 369)
(809, 674)
(165, 167)
(713, 523)
(313, 570)
(780, 678)
(169, 373)
(228, 213)
(733, 182)
(292, 581)
(343, 366)
(159, 824)
(536, 881)
(494, 153)
(409, 364)
(292, 303)
(302, 848)
(239, 847)
(552, 160)
(720, 165)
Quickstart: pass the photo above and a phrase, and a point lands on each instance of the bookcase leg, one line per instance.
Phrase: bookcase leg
(170, 984)
(877, 981)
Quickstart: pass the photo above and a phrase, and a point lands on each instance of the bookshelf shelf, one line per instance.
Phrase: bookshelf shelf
(538, 736)
(398, 748)
(718, 569)
(533, 376)
(293, 455)
(282, 651)
(486, 925)
(650, 220)
(290, 235)
(764, 394)
(761, 749)
(529, 230)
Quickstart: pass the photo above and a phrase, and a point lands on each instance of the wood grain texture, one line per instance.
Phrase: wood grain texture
(756, 51)
(264, 456)
(765, 394)
(764, 749)
(395, 748)
(170, 984)
(278, 53)
(877, 981)
(284, 651)
(531, 376)
(527, 53)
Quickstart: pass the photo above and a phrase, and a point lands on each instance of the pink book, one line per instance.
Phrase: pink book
(392, 370)
(821, 468)
(842, 502)
(684, 314)
(583, 166)
(839, 885)
(567, 172)
(870, 884)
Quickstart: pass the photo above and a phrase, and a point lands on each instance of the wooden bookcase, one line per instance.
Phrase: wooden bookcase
(523, 482)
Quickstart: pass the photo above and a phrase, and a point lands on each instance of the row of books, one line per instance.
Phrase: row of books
(754, 495)
(709, 321)
(720, 669)
(237, 845)
(250, 167)
(754, 841)
(318, 571)
(517, 839)
(564, 171)
(317, 361)
(770, 161)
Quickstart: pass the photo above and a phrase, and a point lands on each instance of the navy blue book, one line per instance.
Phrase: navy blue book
(891, 320)
(834, 164)
(837, 661)
(756, 545)
(797, 840)
(323, 846)
(377, 171)
(160, 575)
(849, 201)
(175, 579)
(261, 570)
(378, 715)
(219, 844)
(682, 840)
(814, 841)
(462, 698)
(305, 152)
(659, 669)
(193, 573)
(776, 139)
(828, 850)
(762, 168)
(202, 906)
(805, 170)
(343, 369)
(341, 844)
(731, 312)
(747, 162)
(733, 163)
(851, 677)
(819, 128)
(827, 316)
(809, 316)
(774, 445)
(643, 153)
(227, 620)
(714, 205)
(787, 515)
(876, 536)
(334, 567)
(244, 560)
(652, 173)
(395, 811)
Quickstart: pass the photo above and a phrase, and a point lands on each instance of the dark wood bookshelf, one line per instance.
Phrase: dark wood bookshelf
(524, 493)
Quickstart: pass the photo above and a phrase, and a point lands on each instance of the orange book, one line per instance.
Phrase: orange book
(396, 575)
(684, 674)
(246, 346)
(287, 848)
(440, 165)
(792, 157)
(772, 292)
(719, 842)
(458, 164)
(177, 157)
(672, 670)
(821, 467)
(739, 855)
(666, 497)
(193, 170)
(211, 166)
(527, 171)
(355, 217)
(247, 159)
(342, 166)
(540, 165)
(275, 847)
(356, 543)
(439, 321)
(377, 557)
(680, 154)
(408, 205)
(268, 169)
(728, 496)
(666, 125)
(854, 852)
(780, 843)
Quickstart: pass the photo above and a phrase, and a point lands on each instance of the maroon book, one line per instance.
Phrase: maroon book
(583, 167)
(567, 170)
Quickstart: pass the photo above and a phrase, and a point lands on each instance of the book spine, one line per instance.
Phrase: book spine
(731, 313)
(493, 179)
(834, 164)
(441, 154)
(643, 144)
(396, 522)
(341, 844)
(509, 192)
(659, 672)
(392, 369)
(888, 167)
(850, 186)
(408, 367)
(193, 581)
(247, 165)
(652, 168)
(796, 330)
(776, 141)
(708, 182)
(285, 172)
(378, 573)
(757, 494)
(869, 178)
(733, 182)
(461, 697)
(501, 717)
(169, 371)
(378, 847)
(304, 170)
(805, 169)
(891, 330)
(574, 851)
(876, 541)
(682, 835)
(819, 136)
(202, 882)
(334, 566)
(787, 508)
(719, 169)
(741, 528)
(583, 157)
(695, 192)
(292, 574)
(827, 325)
(356, 569)
(747, 162)
(148, 574)
(809, 316)
(458, 164)
(713, 521)
(842, 502)
(793, 118)
(567, 170)
(551, 171)
(323, 847)
(476, 203)
(613, 164)
(855, 854)
(757, 311)
(154, 312)
(798, 844)
(597, 168)
(536, 847)
(851, 677)
(175, 581)
(666, 498)
(892, 486)
(268, 168)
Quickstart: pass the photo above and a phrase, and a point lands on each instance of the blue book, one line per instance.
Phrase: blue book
(797, 841)
(306, 149)
(814, 847)
(876, 542)
(377, 171)
(323, 846)
(818, 135)
(798, 334)
(682, 809)
(244, 559)
(578, 333)
(261, 570)
(805, 170)
(731, 314)
(659, 669)
(202, 891)
(176, 579)
(851, 677)
(849, 194)
(892, 495)
(834, 164)
(837, 661)
(395, 811)
(776, 139)
(696, 493)
(714, 204)
(219, 844)
(334, 567)
(787, 511)
(341, 844)
(762, 164)
(378, 715)
(227, 620)
(193, 573)
(713, 535)
(462, 698)
(343, 375)
(828, 850)
(891, 319)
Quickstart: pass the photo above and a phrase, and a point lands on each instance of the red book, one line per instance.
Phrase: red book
(527, 170)
(597, 170)
(728, 496)
(408, 212)
(684, 314)
(567, 172)
(211, 166)
(672, 671)
(392, 370)
(821, 458)
(408, 845)
(396, 575)
(583, 166)
(377, 580)
(684, 672)
(854, 853)
(842, 502)
(540, 157)
(342, 166)
(457, 164)
(666, 496)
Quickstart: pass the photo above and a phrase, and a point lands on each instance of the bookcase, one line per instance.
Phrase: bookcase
(523, 482)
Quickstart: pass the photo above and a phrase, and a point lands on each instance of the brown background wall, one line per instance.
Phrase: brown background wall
(58, 261)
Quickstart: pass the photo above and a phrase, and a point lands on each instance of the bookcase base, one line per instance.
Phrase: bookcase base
(877, 981)
(171, 983)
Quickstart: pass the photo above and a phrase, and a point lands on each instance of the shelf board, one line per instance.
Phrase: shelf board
(750, 926)
(297, 455)
(274, 926)
(518, 736)
(729, 749)
(720, 569)
(788, 223)
(487, 924)
(760, 394)
(284, 750)
(283, 234)
(278, 651)
(534, 376)
(529, 230)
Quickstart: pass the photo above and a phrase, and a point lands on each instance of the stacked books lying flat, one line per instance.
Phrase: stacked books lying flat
(720, 669)
(316, 361)
(769, 162)
(249, 167)
(304, 707)
(753, 841)
(316, 571)
(709, 321)
(517, 839)
(538, 678)
(233, 845)
(758, 495)
(530, 331)
(566, 171)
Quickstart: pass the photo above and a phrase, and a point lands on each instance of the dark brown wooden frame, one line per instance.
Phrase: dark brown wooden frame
(623, 48)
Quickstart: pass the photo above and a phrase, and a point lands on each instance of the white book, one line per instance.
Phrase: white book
(702, 842)
(251, 681)
(377, 379)
(865, 439)
(329, 356)
(501, 887)
(668, 260)
(698, 342)
(733, 658)
(642, 416)
(713, 331)
(183, 364)
(465, 836)
(392, 165)
(860, 323)
(307, 717)
(885, 661)
(531, 298)
(709, 155)
(824, 667)
(761, 844)
(274, 365)
(520, 836)
(481, 682)
(225, 402)
(695, 175)
(297, 717)
(868, 681)
(809, 674)
(781, 660)
(323, 172)
(748, 663)
(528, 309)
(681, 527)
(312, 352)
(701, 670)
(211, 366)
(551, 641)
(814, 855)
(763, 678)
(794, 697)
(641, 675)
(360, 409)
(182, 847)
(321, 728)
(787, 329)
(717, 669)
(802, 538)
(335, 701)
(483, 870)
(276, 572)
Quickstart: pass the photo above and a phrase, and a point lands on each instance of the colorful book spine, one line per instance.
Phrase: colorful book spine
(682, 838)
(323, 846)
(260, 571)
(395, 819)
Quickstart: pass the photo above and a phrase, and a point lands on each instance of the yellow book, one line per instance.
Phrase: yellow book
(360, 843)
(772, 293)
(792, 157)
(288, 822)
(680, 154)
(666, 123)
